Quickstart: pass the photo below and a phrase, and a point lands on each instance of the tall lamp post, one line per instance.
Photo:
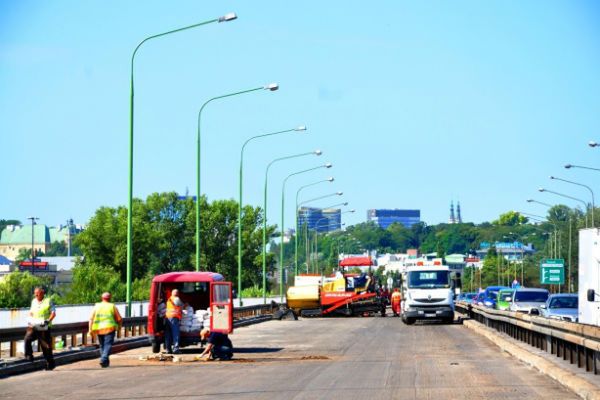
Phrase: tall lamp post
(225, 18)
(568, 197)
(585, 186)
(271, 87)
(301, 128)
(264, 246)
(330, 179)
(327, 165)
(33, 219)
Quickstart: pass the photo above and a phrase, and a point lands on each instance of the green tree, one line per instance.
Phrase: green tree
(91, 280)
(510, 218)
(5, 222)
(16, 290)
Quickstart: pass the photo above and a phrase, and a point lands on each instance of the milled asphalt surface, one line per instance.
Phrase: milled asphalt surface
(337, 358)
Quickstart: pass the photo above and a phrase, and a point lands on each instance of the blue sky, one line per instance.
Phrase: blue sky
(415, 103)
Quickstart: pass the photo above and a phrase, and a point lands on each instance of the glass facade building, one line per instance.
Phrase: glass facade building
(385, 218)
(320, 219)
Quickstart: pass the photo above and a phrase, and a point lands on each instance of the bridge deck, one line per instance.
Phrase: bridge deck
(342, 358)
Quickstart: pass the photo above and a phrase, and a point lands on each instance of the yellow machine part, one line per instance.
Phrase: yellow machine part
(339, 285)
(303, 297)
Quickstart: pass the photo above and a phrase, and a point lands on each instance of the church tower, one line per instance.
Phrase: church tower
(452, 219)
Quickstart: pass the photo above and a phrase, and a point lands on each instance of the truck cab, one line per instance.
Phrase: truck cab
(427, 293)
(208, 304)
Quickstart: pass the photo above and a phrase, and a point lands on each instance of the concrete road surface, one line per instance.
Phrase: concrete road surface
(338, 358)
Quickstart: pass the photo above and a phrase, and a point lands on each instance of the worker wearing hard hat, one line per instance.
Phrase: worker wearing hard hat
(104, 322)
(41, 314)
(396, 299)
(173, 314)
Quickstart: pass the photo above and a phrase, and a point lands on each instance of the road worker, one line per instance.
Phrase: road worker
(104, 322)
(41, 314)
(218, 345)
(173, 318)
(396, 300)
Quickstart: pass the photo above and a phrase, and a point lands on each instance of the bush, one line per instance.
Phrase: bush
(254, 291)
(91, 280)
(16, 290)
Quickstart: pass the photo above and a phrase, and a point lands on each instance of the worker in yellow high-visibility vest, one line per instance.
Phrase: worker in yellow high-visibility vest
(104, 322)
(41, 314)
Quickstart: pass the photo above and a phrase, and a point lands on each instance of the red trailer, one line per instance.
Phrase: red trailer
(209, 297)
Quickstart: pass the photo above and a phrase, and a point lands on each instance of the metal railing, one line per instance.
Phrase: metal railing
(579, 344)
(77, 334)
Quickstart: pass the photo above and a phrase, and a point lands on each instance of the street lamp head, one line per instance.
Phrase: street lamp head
(328, 165)
(339, 193)
(568, 166)
(551, 177)
(271, 87)
(530, 200)
(345, 203)
(353, 210)
(300, 128)
(318, 152)
(331, 179)
(541, 190)
(228, 17)
(592, 144)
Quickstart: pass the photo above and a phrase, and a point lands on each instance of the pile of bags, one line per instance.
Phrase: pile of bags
(194, 321)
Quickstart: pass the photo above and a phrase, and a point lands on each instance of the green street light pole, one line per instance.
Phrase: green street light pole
(264, 248)
(330, 179)
(225, 18)
(585, 186)
(569, 197)
(270, 87)
(328, 165)
(297, 129)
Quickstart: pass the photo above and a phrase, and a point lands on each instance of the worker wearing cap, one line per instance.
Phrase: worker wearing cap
(104, 322)
(174, 314)
(396, 300)
(41, 314)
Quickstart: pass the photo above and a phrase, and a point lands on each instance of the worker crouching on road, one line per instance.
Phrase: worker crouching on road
(173, 314)
(104, 322)
(218, 345)
(41, 314)
(396, 300)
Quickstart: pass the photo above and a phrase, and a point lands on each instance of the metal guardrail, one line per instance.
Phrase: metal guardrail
(77, 333)
(577, 343)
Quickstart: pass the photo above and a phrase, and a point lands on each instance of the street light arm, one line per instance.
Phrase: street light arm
(585, 186)
(264, 135)
(319, 198)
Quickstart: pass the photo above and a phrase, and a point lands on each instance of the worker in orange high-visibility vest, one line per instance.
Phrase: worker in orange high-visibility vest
(396, 300)
(173, 318)
(104, 322)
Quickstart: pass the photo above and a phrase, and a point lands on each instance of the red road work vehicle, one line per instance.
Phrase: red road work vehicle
(208, 303)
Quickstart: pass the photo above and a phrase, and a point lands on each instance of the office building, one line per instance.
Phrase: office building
(385, 218)
(320, 219)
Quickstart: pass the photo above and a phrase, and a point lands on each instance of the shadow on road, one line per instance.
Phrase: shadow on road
(250, 350)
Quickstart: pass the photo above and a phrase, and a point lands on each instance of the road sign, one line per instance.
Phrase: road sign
(552, 271)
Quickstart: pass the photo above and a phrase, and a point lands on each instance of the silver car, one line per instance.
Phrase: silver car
(525, 299)
(564, 307)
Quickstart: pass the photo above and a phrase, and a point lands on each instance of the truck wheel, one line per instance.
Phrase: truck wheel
(155, 347)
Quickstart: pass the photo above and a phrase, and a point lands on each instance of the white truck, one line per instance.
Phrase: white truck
(589, 276)
(427, 293)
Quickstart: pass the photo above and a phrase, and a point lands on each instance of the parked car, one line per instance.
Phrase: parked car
(564, 306)
(524, 299)
(468, 297)
(478, 299)
(504, 299)
(490, 294)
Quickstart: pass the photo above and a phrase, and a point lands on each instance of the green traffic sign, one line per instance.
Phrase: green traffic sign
(552, 271)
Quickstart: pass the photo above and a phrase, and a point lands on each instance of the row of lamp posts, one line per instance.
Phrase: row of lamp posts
(269, 87)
